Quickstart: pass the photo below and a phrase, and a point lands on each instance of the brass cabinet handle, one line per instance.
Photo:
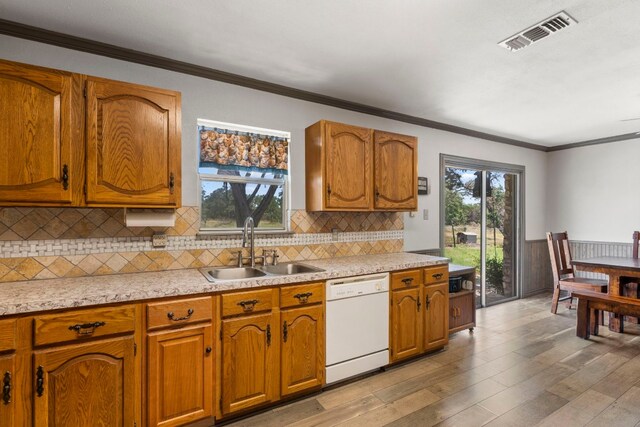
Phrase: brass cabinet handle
(65, 177)
(248, 305)
(285, 331)
(172, 182)
(377, 194)
(426, 303)
(268, 335)
(171, 316)
(437, 276)
(303, 298)
(40, 381)
(329, 190)
(418, 304)
(86, 328)
(6, 388)
(208, 350)
(407, 280)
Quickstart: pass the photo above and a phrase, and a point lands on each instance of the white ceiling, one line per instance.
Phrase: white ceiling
(435, 59)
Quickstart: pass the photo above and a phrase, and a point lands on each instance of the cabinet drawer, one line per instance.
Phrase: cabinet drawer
(82, 324)
(406, 279)
(8, 334)
(293, 296)
(436, 274)
(178, 312)
(247, 302)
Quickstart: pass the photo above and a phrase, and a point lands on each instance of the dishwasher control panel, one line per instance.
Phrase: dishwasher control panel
(357, 286)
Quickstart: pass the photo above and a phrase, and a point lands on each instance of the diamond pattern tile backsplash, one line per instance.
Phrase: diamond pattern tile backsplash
(45, 243)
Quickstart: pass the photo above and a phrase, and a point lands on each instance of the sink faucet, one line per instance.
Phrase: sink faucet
(248, 229)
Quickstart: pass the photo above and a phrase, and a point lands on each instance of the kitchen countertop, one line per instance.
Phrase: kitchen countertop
(55, 294)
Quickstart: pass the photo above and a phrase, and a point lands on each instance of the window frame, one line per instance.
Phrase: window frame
(284, 181)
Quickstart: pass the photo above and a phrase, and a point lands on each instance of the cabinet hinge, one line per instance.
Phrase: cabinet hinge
(135, 349)
(84, 92)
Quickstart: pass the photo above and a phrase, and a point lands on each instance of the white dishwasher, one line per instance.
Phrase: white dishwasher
(357, 325)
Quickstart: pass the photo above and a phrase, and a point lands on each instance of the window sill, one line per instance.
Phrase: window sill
(212, 235)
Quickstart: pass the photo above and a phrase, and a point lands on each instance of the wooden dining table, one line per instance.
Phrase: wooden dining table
(621, 270)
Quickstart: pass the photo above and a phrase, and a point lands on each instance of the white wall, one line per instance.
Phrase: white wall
(202, 98)
(594, 191)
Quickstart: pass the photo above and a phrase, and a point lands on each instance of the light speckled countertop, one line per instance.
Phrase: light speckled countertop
(54, 294)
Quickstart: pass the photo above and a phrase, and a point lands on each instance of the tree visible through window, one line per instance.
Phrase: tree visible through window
(243, 172)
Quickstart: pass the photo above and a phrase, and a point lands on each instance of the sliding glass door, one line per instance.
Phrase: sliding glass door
(481, 224)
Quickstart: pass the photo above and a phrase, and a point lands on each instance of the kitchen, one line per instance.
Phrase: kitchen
(90, 245)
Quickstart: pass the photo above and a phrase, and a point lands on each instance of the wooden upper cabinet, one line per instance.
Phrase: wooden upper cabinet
(133, 145)
(86, 384)
(350, 168)
(40, 136)
(396, 171)
(339, 167)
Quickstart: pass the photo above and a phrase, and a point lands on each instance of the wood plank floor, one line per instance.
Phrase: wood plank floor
(522, 366)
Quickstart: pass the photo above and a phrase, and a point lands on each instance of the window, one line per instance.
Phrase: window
(243, 172)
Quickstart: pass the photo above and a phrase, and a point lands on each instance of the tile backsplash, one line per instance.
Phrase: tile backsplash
(42, 243)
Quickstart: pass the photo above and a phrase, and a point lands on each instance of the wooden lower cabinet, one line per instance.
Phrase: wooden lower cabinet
(436, 316)
(462, 311)
(7, 390)
(302, 356)
(406, 324)
(86, 384)
(180, 376)
(250, 361)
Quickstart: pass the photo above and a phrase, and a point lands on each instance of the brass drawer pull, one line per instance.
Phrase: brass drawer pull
(40, 381)
(303, 298)
(6, 388)
(407, 281)
(86, 328)
(171, 317)
(437, 276)
(172, 182)
(268, 335)
(248, 305)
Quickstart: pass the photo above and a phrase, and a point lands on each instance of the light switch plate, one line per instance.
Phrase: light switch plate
(159, 240)
(425, 214)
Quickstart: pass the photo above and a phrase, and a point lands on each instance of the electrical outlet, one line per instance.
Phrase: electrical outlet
(425, 214)
(334, 234)
(159, 240)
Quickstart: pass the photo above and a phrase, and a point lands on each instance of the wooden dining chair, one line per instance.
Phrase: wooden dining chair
(564, 278)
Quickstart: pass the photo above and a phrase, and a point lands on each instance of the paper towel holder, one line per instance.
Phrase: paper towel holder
(140, 217)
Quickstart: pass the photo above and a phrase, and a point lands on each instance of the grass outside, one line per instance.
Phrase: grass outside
(464, 254)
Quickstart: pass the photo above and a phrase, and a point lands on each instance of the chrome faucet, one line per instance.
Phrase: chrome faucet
(249, 229)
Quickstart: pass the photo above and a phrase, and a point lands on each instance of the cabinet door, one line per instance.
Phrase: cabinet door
(302, 349)
(396, 171)
(406, 323)
(86, 384)
(180, 376)
(7, 391)
(436, 316)
(249, 362)
(40, 135)
(133, 145)
(348, 163)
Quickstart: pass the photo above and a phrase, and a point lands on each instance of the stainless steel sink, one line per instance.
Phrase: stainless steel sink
(239, 273)
(287, 269)
(214, 274)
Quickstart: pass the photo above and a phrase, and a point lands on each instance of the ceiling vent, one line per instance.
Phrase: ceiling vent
(539, 31)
